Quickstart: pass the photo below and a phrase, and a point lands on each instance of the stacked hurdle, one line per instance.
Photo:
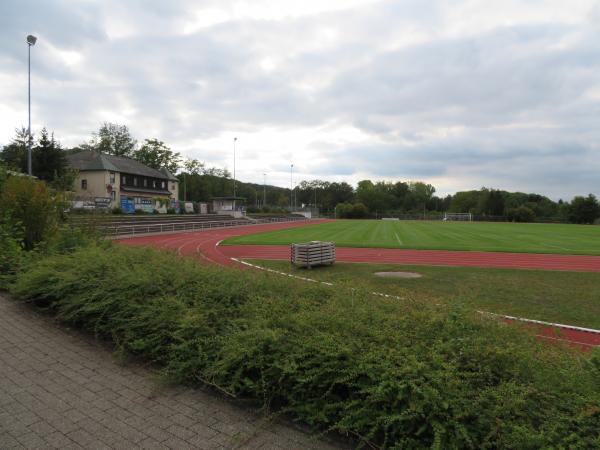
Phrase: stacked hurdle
(313, 253)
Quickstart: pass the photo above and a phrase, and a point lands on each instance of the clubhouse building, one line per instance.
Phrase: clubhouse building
(107, 181)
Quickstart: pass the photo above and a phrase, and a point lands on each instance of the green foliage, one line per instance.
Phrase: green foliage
(113, 139)
(11, 250)
(584, 209)
(30, 204)
(520, 214)
(349, 211)
(156, 154)
(400, 374)
(49, 161)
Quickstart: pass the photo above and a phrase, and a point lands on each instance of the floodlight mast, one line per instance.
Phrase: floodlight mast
(234, 141)
(291, 191)
(264, 190)
(31, 40)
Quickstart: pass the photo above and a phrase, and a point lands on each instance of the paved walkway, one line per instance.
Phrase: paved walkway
(59, 389)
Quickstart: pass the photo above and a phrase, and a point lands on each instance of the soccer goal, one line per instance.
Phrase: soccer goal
(467, 217)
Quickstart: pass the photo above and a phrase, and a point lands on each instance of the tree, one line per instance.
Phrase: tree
(521, 214)
(584, 209)
(14, 155)
(156, 154)
(113, 139)
(48, 159)
(193, 166)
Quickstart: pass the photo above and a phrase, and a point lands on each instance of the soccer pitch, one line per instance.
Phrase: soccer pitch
(438, 235)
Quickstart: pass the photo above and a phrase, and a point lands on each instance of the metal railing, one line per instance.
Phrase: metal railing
(176, 227)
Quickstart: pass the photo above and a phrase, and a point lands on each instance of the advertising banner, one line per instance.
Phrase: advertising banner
(127, 205)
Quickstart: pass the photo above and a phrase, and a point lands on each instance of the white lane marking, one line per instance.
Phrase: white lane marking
(280, 273)
(540, 322)
(398, 239)
(520, 319)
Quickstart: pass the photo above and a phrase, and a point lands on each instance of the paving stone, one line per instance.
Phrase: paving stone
(59, 391)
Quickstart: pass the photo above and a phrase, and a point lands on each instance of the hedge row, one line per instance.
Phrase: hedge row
(396, 374)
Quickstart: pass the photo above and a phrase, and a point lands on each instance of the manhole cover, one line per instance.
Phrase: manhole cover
(398, 274)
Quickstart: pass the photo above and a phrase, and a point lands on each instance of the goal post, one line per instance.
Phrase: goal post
(465, 217)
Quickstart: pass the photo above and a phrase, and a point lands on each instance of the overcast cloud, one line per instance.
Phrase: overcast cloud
(461, 94)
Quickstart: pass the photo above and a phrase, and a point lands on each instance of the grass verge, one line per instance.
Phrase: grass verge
(570, 298)
(397, 374)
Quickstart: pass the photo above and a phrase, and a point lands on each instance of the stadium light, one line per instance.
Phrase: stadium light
(291, 191)
(264, 190)
(234, 140)
(31, 40)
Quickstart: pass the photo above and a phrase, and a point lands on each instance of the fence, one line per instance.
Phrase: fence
(132, 230)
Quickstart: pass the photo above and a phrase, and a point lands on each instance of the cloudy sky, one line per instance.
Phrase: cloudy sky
(461, 94)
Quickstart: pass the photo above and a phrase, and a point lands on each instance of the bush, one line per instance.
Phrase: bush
(399, 374)
(117, 210)
(11, 251)
(352, 211)
(520, 214)
(31, 205)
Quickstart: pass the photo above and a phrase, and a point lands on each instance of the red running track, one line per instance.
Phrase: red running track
(205, 245)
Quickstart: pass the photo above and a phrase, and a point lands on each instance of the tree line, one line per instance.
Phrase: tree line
(199, 182)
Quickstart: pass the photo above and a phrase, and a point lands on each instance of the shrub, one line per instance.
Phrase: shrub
(117, 210)
(11, 250)
(33, 206)
(520, 214)
(399, 374)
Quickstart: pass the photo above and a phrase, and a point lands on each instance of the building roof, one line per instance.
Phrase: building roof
(92, 160)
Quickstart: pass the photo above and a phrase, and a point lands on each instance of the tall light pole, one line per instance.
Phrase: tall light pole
(234, 140)
(291, 191)
(30, 43)
(264, 190)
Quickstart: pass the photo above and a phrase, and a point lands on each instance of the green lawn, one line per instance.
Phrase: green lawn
(438, 235)
(563, 297)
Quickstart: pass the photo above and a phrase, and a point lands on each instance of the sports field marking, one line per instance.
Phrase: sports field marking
(398, 239)
(582, 333)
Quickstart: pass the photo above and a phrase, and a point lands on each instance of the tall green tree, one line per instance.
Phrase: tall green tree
(113, 139)
(584, 209)
(48, 159)
(14, 155)
(156, 154)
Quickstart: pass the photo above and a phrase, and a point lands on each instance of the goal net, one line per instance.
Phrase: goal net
(467, 217)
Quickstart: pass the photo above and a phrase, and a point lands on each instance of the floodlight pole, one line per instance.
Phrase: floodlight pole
(291, 191)
(234, 140)
(30, 43)
(264, 190)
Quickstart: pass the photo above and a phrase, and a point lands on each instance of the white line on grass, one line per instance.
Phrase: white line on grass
(398, 239)
(520, 319)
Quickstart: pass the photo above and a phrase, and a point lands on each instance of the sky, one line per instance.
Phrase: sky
(457, 93)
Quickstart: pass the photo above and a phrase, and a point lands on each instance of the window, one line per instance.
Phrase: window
(164, 185)
(145, 182)
(84, 184)
(154, 184)
(135, 181)
(123, 179)
(112, 178)
(113, 195)
(173, 187)
(138, 200)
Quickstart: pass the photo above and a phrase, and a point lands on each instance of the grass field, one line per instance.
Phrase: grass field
(565, 297)
(438, 235)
